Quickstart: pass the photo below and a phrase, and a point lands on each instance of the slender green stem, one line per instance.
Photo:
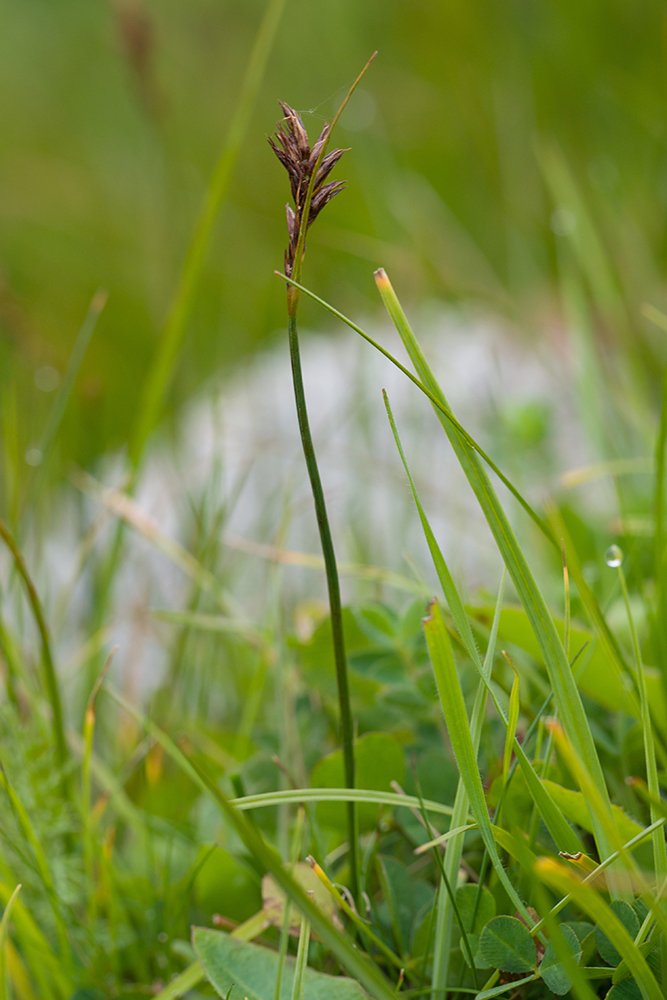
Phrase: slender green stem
(51, 681)
(333, 586)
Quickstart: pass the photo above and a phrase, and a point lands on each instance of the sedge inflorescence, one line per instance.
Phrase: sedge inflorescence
(292, 147)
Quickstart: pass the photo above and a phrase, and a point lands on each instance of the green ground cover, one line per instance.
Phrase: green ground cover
(435, 794)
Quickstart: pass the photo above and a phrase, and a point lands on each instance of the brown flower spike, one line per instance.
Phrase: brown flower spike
(292, 147)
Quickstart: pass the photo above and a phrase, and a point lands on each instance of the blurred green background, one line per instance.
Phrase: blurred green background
(498, 148)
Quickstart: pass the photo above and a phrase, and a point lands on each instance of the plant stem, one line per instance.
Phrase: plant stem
(333, 586)
(50, 678)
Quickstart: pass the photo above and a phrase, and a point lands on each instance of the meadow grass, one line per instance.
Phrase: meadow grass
(495, 823)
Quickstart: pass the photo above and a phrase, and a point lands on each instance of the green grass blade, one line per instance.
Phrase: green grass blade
(558, 877)
(454, 601)
(43, 869)
(512, 722)
(567, 697)
(659, 846)
(182, 984)
(44, 964)
(299, 982)
(354, 962)
(173, 334)
(50, 678)
(4, 930)
(659, 515)
(436, 401)
(65, 391)
(456, 717)
(557, 825)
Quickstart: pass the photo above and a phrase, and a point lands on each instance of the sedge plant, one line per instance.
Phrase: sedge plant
(308, 169)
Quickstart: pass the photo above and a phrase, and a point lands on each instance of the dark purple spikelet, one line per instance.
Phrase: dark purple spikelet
(292, 147)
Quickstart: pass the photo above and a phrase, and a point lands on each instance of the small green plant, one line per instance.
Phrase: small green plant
(429, 795)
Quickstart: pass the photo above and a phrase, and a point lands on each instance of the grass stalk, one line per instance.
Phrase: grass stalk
(326, 540)
(333, 588)
(50, 679)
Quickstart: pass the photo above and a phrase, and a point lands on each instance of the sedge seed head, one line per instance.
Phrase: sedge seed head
(292, 147)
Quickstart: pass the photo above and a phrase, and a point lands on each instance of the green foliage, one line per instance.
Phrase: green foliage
(506, 944)
(252, 970)
(380, 761)
(552, 970)
(510, 831)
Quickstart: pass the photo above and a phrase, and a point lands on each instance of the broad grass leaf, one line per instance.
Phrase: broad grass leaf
(506, 944)
(551, 968)
(628, 918)
(466, 897)
(566, 695)
(253, 969)
(379, 759)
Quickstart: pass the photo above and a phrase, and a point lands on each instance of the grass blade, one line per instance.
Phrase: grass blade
(512, 721)
(560, 830)
(65, 391)
(4, 930)
(558, 877)
(456, 717)
(437, 403)
(299, 982)
(355, 963)
(50, 679)
(567, 697)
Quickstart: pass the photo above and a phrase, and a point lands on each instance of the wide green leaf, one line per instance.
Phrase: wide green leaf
(379, 760)
(506, 944)
(573, 804)
(475, 913)
(252, 970)
(628, 918)
(596, 676)
(627, 990)
(551, 968)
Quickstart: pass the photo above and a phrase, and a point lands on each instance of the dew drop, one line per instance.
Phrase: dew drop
(613, 556)
(33, 456)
